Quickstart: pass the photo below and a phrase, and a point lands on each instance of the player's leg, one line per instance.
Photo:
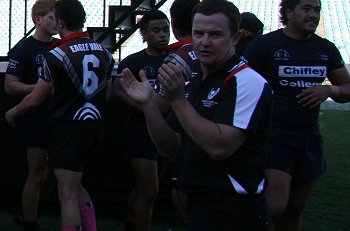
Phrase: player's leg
(37, 172)
(291, 218)
(178, 196)
(179, 199)
(311, 164)
(277, 191)
(69, 185)
(145, 193)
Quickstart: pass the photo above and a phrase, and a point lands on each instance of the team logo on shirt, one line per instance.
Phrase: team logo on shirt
(150, 72)
(209, 102)
(281, 54)
(87, 112)
(192, 55)
(39, 59)
(213, 93)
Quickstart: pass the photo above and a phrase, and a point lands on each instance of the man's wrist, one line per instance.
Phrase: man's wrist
(177, 102)
(335, 91)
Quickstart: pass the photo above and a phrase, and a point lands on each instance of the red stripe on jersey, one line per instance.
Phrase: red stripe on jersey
(69, 37)
(177, 45)
(235, 71)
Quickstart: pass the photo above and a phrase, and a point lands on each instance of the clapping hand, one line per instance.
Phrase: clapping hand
(140, 92)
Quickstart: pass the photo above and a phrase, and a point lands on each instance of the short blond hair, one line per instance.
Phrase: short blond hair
(42, 7)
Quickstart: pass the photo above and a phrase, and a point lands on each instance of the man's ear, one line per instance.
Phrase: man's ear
(60, 23)
(36, 19)
(289, 14)
(235, 38)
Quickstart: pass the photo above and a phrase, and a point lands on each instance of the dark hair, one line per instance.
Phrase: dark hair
(151, 15)
(181, 14)
(210, 7)
(250, 22)
(71, 12)
(287, 5)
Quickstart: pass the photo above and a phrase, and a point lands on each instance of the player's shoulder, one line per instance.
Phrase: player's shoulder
(25, 44)
(22, 48)
(272, 36)
(320, 40)
(134, 56)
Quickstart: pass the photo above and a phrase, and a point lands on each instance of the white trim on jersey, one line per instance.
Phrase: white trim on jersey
(241, 190)
(250, 86)
(58, 53)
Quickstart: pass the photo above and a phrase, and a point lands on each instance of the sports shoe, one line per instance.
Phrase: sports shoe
(27, 226)
(18, 219)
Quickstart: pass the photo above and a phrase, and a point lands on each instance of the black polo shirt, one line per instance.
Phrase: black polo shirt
(237, 96)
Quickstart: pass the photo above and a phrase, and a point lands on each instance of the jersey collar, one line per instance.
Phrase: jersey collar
(69, 37)
(175, 46)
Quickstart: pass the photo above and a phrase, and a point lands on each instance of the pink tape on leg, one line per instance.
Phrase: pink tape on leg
(87, 216)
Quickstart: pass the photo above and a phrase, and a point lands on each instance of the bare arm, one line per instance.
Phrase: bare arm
(40, 92)
(218, 140)
(340, 78)
(339, 91)
(14, 86)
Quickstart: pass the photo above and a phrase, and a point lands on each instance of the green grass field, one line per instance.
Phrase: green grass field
(328, 208)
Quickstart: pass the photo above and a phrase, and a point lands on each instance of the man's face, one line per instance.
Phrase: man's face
(47, 24)
(213, 41)
(157, 34)
(305, 17)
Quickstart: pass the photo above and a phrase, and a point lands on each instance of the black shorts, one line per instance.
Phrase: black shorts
(301, 156)
(138, 143)
(35, 131)
(72, 143)
(227, 212)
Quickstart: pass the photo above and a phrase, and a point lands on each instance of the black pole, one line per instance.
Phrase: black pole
(25, 16)
(10, 23)
(104, 13)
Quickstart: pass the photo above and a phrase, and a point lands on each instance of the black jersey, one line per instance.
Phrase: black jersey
(78, 67)
(150, 65)
(290, 66)
(26, 62)
(237, 96)
(26, 59)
